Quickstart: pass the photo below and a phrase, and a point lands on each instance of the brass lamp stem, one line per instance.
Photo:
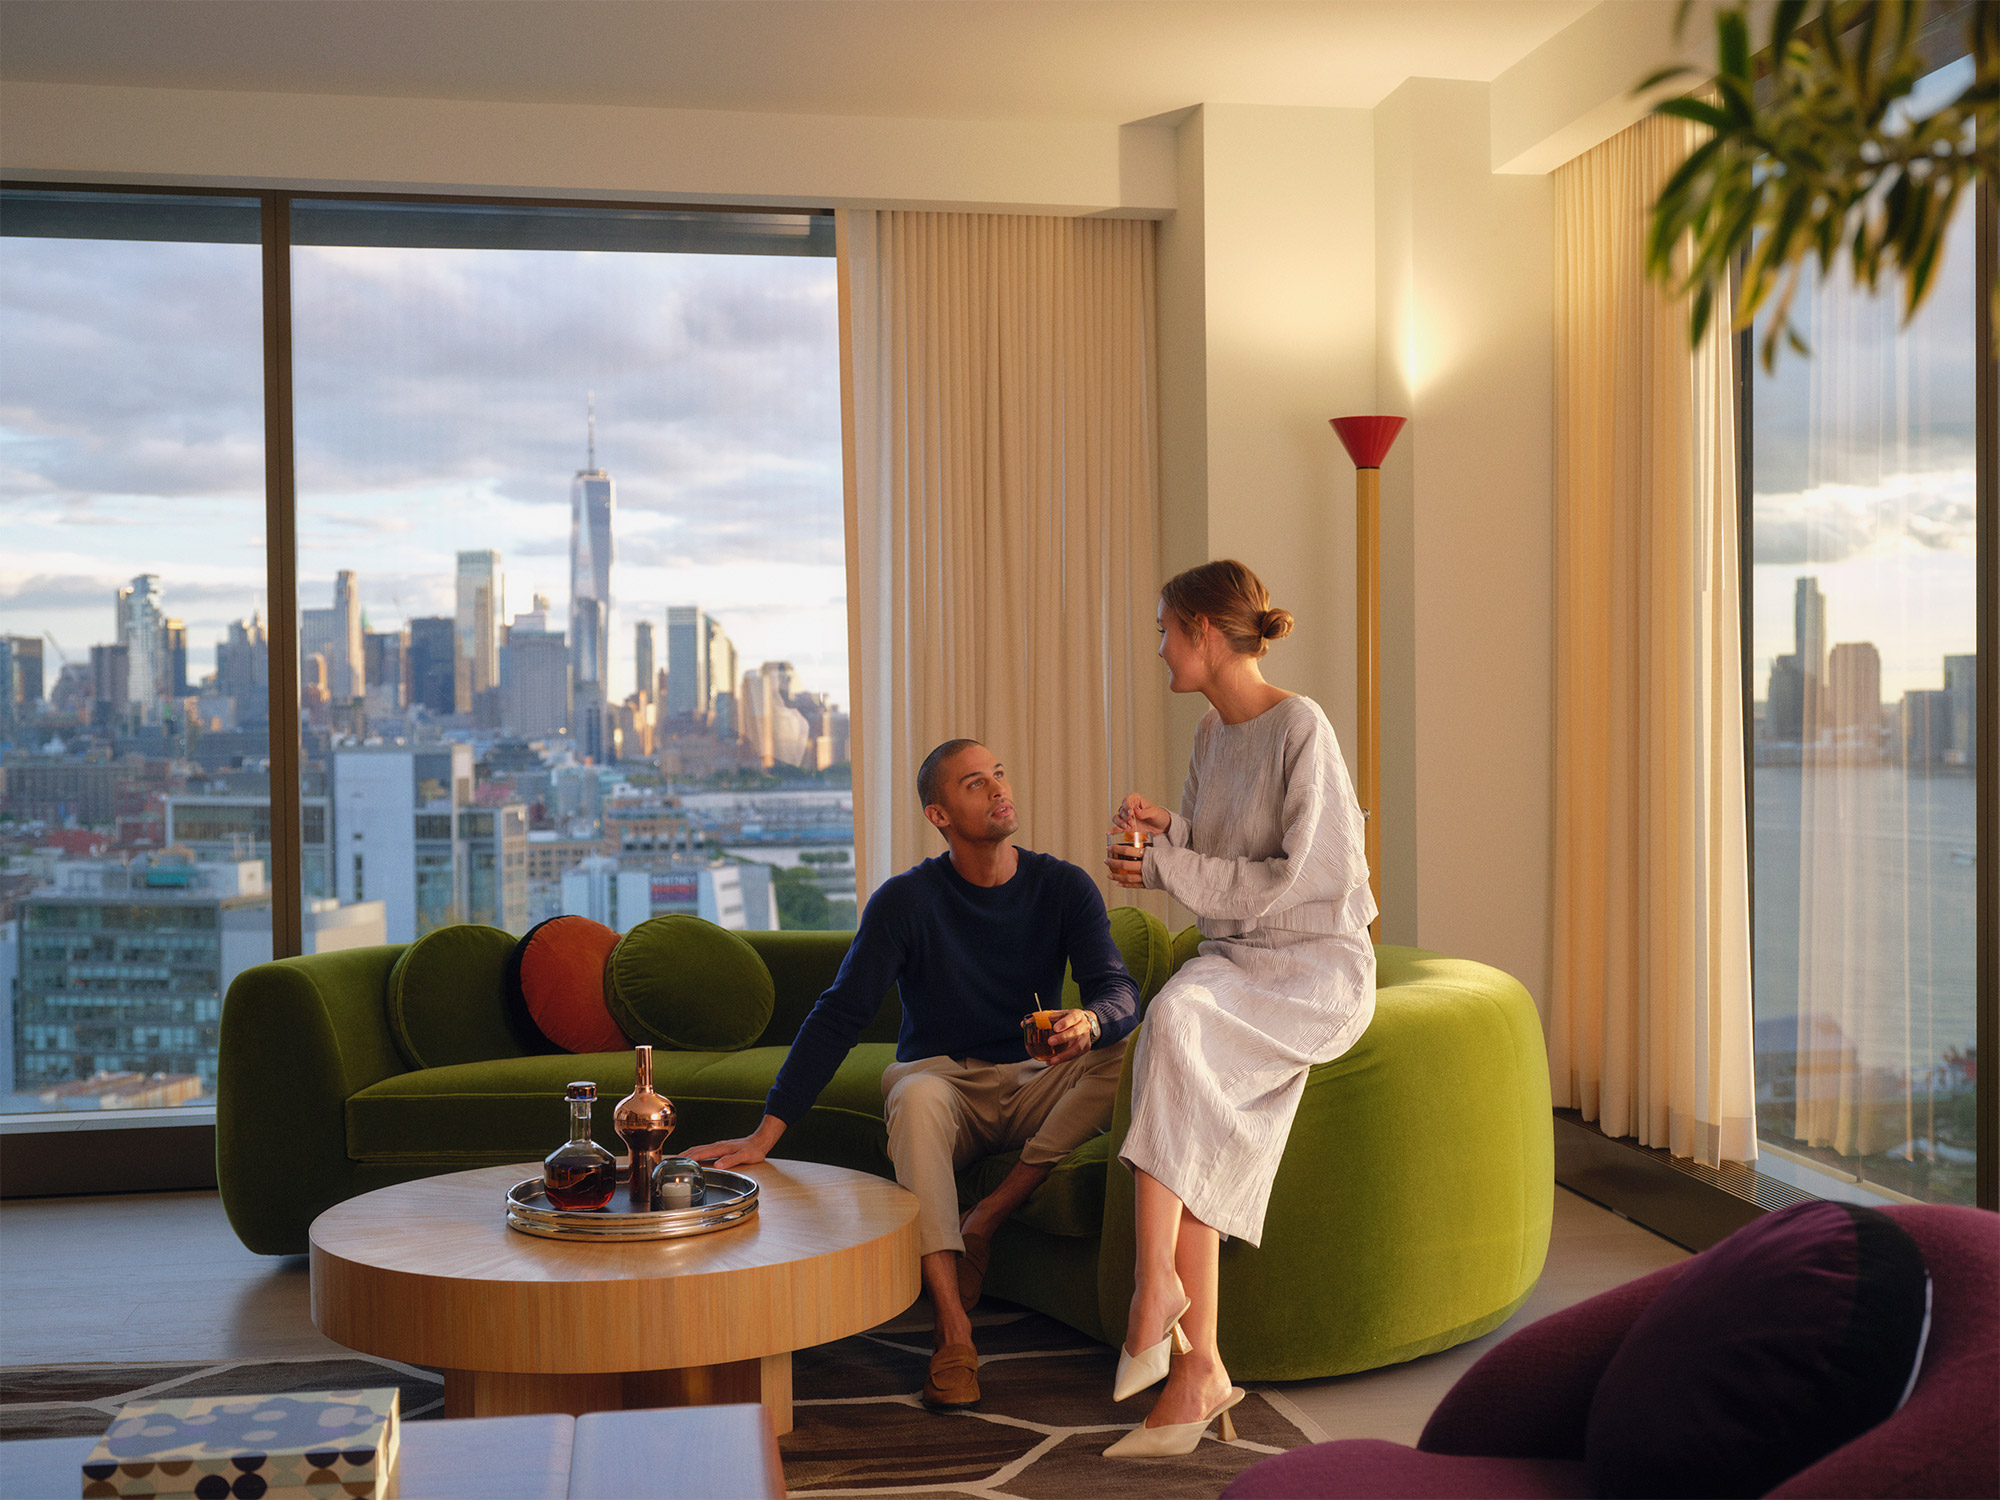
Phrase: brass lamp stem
(1368, 673)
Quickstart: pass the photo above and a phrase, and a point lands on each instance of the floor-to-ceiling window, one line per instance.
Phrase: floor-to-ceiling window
(1864, 615)
(564, 608)
(570, 561)
(135, 801)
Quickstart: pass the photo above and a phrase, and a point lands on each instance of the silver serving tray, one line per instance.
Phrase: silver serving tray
(727, 1198)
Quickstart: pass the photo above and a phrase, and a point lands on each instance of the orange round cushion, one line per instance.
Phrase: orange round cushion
(556, 977)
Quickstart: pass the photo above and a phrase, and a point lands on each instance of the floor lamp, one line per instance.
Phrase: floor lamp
(1367, 440)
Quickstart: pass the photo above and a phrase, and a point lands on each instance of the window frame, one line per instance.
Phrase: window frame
(1985, 206)
(144, 1170)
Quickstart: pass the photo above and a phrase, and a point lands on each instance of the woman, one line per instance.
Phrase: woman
(1267, 853)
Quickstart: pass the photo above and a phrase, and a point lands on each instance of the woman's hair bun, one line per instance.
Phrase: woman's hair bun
(1229, 599)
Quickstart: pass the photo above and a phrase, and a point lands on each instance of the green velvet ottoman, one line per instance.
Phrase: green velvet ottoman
(1411, 1209)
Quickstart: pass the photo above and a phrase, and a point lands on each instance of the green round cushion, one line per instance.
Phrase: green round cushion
(1187, 945)
(447, 999)
(1147, 950)
(683, 983)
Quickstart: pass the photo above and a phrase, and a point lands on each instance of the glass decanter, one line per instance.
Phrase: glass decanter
(580, 1176)
(643, 1120)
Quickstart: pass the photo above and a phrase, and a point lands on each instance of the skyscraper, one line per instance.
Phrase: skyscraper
(243, 671)
(111, 686)
(22, 682)
(721, 653)
(768, 722)
(642, 657)
(346, 665)
(317, 629)
(433, 664)
(687, 664)
(481, 607)
(383, 655)
(592, 498)
(396, 833)
(1809, 633)
(1961, 691)
(1854, 687)
(176, 659)
(535, 687)
(142, 631)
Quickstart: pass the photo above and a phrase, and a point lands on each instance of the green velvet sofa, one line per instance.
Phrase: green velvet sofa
(1411, 1210)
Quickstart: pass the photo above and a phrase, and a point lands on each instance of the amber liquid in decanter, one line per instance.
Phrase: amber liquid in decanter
(580, 1176)
(643, 1120)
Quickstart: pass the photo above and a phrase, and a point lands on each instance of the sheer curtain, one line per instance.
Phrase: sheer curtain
(998, 377)
(1649, 1017)
(1865, 587)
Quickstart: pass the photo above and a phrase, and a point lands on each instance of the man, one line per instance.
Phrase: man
(974, 938)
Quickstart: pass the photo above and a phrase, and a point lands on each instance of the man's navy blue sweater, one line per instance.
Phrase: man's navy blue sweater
(969, 961)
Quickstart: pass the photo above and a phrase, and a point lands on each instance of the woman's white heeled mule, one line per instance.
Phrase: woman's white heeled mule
(1178, 1438)
(1149, 1366)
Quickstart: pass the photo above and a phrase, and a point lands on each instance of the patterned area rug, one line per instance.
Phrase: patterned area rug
(1039, 1433)
(860, 1429)
(44, 1401)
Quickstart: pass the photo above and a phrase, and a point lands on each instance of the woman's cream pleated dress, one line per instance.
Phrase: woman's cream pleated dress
(1267, 853)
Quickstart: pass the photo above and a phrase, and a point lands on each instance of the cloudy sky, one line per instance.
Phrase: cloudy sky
(1862, 465)
(440, 405)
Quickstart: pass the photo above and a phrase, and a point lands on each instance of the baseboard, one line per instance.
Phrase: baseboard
(1684, 1201)
(66, 1163)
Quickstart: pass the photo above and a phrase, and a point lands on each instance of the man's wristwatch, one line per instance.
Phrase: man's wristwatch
(1096, 1027)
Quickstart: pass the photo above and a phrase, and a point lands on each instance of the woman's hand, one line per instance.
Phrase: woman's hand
(1136, 812)
(1135, 815)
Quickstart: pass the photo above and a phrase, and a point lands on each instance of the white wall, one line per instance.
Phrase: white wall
(1464, 323)
(84, 132)
(1333, 262)
(1576, 89)
(1267, 284)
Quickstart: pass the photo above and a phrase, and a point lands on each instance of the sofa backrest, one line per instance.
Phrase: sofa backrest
(802, 966)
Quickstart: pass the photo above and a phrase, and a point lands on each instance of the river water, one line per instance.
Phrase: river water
(1882, 861)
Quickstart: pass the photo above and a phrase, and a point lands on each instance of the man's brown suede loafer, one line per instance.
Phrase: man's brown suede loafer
(954, 1378)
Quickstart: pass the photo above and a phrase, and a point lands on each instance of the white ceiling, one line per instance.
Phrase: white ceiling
(1104, 60)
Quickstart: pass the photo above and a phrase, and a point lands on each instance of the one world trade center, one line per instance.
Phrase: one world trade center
(591, 500)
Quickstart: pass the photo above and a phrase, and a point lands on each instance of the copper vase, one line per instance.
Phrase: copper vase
(643, 1121)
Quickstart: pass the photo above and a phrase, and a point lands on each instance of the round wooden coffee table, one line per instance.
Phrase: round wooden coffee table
(428, 1272)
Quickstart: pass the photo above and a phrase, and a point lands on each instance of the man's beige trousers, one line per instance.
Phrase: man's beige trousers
(945, 1114)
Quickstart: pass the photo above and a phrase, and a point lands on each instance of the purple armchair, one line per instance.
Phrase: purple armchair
(1514, 1423)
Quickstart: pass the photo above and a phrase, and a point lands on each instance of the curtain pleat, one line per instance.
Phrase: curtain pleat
(998, 378)
(1650, 1018)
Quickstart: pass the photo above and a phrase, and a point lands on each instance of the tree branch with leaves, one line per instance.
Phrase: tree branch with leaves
(1820, 159)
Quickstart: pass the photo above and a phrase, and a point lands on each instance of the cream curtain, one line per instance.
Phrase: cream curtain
(1649, 1012)
(998, 391)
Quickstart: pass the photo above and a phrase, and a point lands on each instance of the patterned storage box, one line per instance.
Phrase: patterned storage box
(325, 1445)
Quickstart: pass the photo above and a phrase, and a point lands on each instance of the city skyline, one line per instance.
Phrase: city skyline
(717, 403)
(1830, 694)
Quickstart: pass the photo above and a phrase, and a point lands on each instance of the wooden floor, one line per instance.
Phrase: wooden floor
(159, 1276)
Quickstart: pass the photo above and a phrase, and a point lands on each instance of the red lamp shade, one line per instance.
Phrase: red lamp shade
(1367, 439)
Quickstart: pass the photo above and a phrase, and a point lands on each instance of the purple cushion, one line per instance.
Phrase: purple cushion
(1367, 1467)
(1793, 1336)
(1946, 1439)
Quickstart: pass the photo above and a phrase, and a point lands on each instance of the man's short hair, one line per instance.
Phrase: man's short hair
(932, 769)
